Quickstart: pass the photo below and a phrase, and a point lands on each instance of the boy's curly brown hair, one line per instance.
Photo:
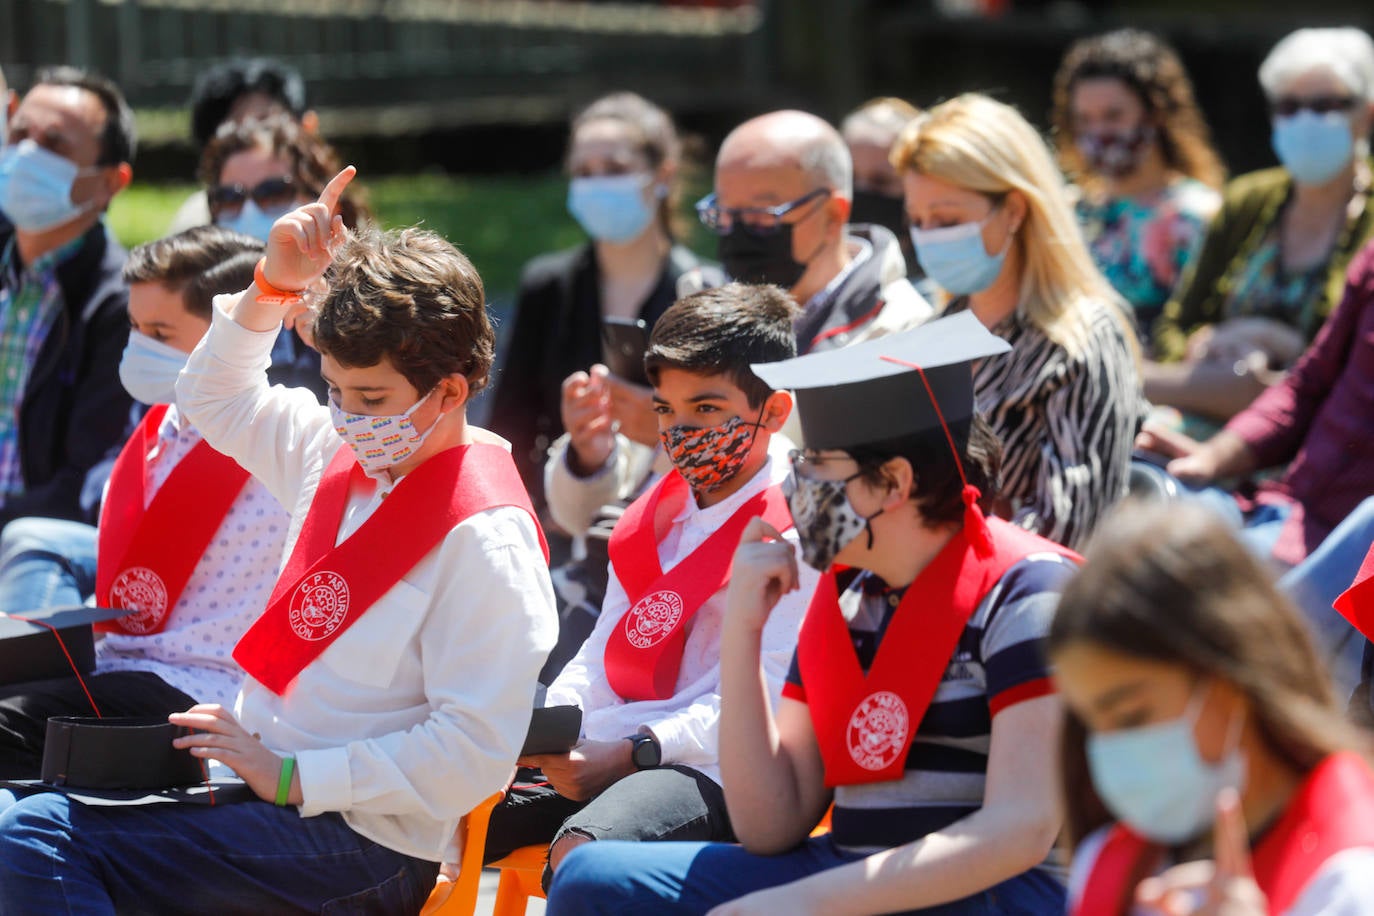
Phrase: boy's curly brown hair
(410, 297)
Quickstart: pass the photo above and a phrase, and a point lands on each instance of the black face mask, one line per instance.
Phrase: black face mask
(879, 209)
(751, 258)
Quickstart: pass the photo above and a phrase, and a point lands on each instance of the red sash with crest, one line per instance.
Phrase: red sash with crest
(644, 652)
(146, 556)
(324, 588)
(865, 723)
(1332, 810)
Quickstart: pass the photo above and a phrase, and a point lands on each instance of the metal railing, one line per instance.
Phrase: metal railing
(406, 64)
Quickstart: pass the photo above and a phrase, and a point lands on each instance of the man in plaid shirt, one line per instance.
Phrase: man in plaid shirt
(63, 320)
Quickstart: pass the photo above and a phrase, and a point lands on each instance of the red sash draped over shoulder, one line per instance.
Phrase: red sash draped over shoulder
(147, 550)
(865, 723)
(325, 587)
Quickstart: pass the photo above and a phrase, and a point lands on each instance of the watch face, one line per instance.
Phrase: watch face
(646, 753)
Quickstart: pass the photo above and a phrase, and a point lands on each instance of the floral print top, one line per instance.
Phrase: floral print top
(1142, 244)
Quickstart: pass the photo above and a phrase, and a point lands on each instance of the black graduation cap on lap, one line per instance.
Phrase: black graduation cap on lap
(870, 393)
(125, 761)
(29, 651)
(892, 390)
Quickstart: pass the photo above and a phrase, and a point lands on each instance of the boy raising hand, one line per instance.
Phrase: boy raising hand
(390, 676)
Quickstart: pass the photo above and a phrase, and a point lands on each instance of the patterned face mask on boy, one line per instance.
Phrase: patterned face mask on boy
(380, 442)
(710, 457)
(824, 518)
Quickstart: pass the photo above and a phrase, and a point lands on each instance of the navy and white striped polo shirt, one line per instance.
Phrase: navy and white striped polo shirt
(999, 662)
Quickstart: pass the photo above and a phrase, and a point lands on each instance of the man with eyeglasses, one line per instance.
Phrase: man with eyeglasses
(783, 192)
(63, 301)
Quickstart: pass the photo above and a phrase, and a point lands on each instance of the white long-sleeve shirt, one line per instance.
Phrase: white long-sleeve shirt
(417, 711)
(685, 724)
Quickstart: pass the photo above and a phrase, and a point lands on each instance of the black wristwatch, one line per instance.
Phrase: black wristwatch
(645, 753)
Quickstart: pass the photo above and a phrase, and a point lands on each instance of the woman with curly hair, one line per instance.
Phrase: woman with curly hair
(1130, 133)
(257, 170)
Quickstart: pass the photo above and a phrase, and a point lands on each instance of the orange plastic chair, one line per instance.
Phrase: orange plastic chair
(459, 897)
(520, 872)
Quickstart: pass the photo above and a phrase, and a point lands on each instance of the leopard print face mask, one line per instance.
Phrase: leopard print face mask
(824, 518)
(710, 457)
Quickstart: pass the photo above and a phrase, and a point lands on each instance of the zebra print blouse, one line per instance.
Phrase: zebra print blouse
(1067, 424)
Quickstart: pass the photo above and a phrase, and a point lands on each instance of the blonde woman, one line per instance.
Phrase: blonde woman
(991, 224)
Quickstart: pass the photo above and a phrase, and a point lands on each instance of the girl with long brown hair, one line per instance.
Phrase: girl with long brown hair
(1201, 726)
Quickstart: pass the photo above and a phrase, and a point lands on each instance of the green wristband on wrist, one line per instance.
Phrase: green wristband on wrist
(288, 769)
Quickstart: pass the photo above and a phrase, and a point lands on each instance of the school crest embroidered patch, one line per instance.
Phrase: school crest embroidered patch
(143, 590)
(319, 606)
(877, 730)
(652, 618)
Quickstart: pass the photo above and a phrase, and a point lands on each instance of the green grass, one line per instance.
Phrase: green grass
(500, 222)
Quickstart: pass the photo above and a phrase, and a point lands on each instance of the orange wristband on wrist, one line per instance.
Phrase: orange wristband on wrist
(269, 294)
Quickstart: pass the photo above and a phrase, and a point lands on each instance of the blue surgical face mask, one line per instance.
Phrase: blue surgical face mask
(1313, 147)
(36, 187)
(253, 222)
(1153, 779)
(612, 208)
(954, 256)
(149, 369)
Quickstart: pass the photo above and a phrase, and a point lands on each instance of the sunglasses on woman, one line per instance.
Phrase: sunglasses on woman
(269, 196)
(1287, 105)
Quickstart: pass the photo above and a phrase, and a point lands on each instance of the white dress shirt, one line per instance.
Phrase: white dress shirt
(685, 724)
(417, 711)
(226, 592)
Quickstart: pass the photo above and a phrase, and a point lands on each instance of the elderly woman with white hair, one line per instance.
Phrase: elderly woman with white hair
(1273, 262)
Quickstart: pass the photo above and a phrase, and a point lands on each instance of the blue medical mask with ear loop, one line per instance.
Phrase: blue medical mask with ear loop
(149, 369)
(1153, 779)
(612, 208)
(1313, 147)
(954, 256)
(36, 187)
(252, 221)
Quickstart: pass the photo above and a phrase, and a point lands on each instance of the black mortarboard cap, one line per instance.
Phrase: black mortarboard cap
(126, 761)
(29, 650)
(117, 753)
(866, 395)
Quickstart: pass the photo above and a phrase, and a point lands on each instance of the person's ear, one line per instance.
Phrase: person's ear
(838, 209)
(454, 392)
(1016, 208)
(776, 409)
(117, 178)
(310, 122)
(1363, 122)
(665, 175)
(902, 482)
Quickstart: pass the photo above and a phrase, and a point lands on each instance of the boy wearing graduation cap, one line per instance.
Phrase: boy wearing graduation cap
(648, 677)
(390, 678)
(918, 701)
(188, 542)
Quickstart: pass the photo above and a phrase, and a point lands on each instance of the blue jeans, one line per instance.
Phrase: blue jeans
(46, 562)
(689, 878)
(1315, 583)
(1258, 530)
(59, 857)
